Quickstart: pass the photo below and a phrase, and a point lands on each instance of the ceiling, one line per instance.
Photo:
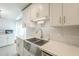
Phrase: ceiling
(10, 11)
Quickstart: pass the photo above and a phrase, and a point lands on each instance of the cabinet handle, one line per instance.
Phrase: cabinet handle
(63, 19)
(60, 19)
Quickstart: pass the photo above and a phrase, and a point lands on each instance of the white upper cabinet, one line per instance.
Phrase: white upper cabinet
(43, 9)
(39, 10)
(56, 14)
(64, 14)
(34, 11)
(27, 15)
(71, 14)
(19, 46)
(60, 14)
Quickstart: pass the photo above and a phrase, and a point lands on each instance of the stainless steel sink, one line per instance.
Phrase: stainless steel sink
(41, 42)
(37, 41)
(33, 40)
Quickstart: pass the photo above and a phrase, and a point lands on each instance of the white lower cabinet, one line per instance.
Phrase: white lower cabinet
(25, 48)
(3, 40)
(26, 53)
(19, 46)
(21, 50)
(6, 39)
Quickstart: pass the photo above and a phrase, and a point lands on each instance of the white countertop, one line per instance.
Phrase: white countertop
(60, 49)
(57, 48)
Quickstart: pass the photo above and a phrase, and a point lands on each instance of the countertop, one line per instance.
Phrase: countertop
(60, 49)
(57, 48)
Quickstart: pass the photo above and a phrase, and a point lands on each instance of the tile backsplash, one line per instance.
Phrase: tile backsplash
(45, 30)
(66, 34)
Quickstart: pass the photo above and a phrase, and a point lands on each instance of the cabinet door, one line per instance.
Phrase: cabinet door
(3, 40)
(56, 14)
(34, 11)
(26, 16)
(71, 13)
(19, 46)
(43, 9)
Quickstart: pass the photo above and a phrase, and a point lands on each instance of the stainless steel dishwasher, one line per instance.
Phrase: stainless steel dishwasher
(31, 49)
(34, 50)
(26, 49)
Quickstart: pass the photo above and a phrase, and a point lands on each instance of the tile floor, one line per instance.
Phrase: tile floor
(8, 50)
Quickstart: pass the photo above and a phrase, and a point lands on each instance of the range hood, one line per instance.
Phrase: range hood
(40, 19)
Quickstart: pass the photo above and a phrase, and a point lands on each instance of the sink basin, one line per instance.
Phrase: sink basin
(41, 42)
(33, 40)
(37, 41)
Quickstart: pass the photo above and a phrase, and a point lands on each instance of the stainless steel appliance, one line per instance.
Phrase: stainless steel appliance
(26, 48)
(32, 49)
(27, 45)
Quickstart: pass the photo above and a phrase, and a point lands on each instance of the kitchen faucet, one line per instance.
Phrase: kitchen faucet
(41, 31)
